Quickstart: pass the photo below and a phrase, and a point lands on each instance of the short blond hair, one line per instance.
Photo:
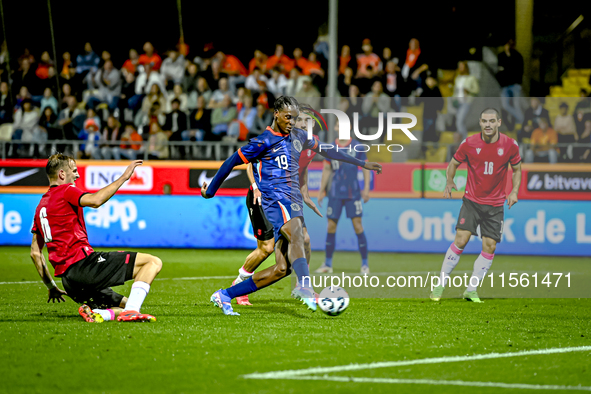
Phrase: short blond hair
(55, 163)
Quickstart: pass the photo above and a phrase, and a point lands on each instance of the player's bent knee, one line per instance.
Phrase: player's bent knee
(267, 248)
(157, 263)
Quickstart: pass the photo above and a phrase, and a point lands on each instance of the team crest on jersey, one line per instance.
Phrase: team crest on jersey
(297, 145)
(294, 206)
(478, 150)
(309, 153)
(500, 151)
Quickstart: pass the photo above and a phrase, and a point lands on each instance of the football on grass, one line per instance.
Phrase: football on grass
(333, 301)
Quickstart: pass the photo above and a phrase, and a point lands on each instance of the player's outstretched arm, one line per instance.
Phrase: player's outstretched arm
(97, 199)
(366, 185)
(255, 189)
(516, 178)
(208, 191)
(450, 174)
(324, 180)
(333, 154)
(306, 194)
(54, 292)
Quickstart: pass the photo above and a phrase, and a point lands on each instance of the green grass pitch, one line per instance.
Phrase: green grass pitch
(194, 348)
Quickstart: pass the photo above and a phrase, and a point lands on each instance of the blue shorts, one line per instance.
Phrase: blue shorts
(279, 212)
(354, 208)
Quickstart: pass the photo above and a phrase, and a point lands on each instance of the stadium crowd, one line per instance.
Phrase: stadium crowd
(216, 97)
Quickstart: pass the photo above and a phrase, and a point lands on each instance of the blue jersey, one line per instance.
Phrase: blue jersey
(275, 159)
(345, 184)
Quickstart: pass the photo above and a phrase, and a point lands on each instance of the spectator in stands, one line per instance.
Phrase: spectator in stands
(510, 65)
(68, 71)
(466, 87)
(299, 60)
(432, 104)
(214, 74)
(345, 80)
(532, 116)
(345, 59)
(157, 143)
(277, 83)
(132, 63)
(146, 78)
(70, 119)
(294, 83)
(25, 77)
(280, 60)
(154, 115)
(309, 92)
(66, 93)
(312, 66)
(234, 69)
(177, 94)
(253, 80)
(48, 101)
(375, 102)
(218, 95)
(414, 66)
(202, 90)
(110, 133)
(393, 82)
(387, 57)
(108, 81)
(150, 57)
(564, 124)
(25, 128)
(245, 120)
(264, 118)
(155, 95)
(49, 82)
(367, 66)
(48, 124)
(87, 65)
(43, 66)
(321, 44)
(190, 78)
(129, 98)
(586, 139)
(26, 55)
(263, 96)
(6, 107)
(259, 61)
(105, 56)
(221, 118)
(543, 140)
(199, 122)
(355, 102)
(23, 94)
(130, 151)
(175, 124)
(173, 69)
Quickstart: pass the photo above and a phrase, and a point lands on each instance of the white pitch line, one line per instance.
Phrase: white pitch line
(288, 374)
(444, 383)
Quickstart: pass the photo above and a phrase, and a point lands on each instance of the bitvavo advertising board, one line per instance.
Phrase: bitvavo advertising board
(391, 225)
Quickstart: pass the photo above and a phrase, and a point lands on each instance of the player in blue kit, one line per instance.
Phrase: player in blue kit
(344, 192)
(275, 155)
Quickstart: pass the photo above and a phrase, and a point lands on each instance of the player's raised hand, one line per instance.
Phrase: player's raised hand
(512, 199)
(365, 195)
(321, 196)
(311, 205)
(448, 187)
(56, 294)
(204, 190)
(256, 197)
(130, 168)
(377, 167)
